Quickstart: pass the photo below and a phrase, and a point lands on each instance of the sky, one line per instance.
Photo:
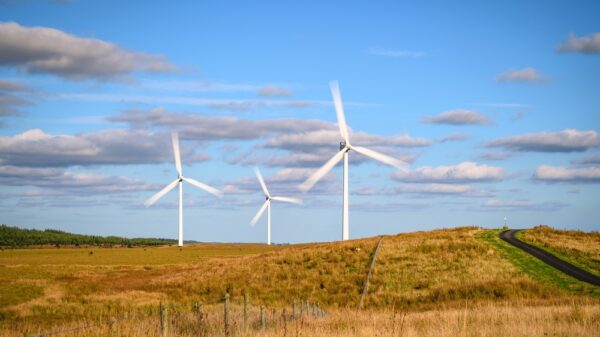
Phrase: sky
(493, 106)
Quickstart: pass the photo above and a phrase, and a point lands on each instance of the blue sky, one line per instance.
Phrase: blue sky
(494, 106)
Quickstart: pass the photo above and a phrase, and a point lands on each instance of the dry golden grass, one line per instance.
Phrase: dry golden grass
(579, 248)
(437, 270)
(492, 320)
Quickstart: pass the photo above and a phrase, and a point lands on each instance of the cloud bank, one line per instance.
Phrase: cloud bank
(51, 51)
(548, 173)
(568, 140)
(526, 75)
(458, 117)
(585, 44)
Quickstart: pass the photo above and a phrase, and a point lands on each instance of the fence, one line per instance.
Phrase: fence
(225, 315)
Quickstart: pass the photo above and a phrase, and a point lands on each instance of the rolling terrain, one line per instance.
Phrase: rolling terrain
(449, 274)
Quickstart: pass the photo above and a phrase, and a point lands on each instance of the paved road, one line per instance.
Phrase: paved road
(565, 267)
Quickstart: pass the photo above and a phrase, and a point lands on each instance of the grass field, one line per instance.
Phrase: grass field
(421, 274)
(579, 248)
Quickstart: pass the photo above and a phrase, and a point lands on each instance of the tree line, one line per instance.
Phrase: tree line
(20, 237)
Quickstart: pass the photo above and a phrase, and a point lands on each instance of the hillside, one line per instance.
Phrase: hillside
(19, 237)
(414, 272)
(579, 248)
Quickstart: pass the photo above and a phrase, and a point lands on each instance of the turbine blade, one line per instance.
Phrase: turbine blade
(204, 187)
(260, 212)
(339, 110)
(161, 193)
(261, 181)
(175, 141)
(380, 157)
(288, 199)
(321, 172)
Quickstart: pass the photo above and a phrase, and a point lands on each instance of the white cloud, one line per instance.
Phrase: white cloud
(235, 105)
(496, 155)
(110, 147)
(47, 50)
(9, 104)
(525, 75)
(272, 90)
(206, 127)
(61, 181)
(521, 205)
(585, 44)
(394, 53)
(568, 140)
(434, 188)
(593, 159)
(454, 137)
(463, 172)
(10, 99)
(313, 139)
(11, 86)
(458, 117)
(567, 174)
(197, 86)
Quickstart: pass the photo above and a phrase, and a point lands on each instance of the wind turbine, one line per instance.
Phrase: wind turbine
(345, 147)
(179, 181)
(267, 204)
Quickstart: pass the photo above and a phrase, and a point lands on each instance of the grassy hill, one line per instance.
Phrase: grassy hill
(19, 237)
(414, 272)
(579, 248)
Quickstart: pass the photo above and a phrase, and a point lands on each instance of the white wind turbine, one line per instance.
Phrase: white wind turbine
(267, 204)
(345, 147)
(179, 181)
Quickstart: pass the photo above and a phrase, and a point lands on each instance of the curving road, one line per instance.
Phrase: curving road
(565, 267)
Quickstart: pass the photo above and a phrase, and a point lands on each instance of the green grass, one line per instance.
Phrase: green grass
(536, 268)
(16, 293)
(582, 250)
(415, 271)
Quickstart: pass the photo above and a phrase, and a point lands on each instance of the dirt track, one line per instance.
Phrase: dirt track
(565, 267)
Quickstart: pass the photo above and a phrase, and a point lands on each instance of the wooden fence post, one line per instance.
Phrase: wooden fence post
(284, 315)
(199, 314)
(294, 310)
(226, 314)
(262, 317)
(245, 311)
(164, 320)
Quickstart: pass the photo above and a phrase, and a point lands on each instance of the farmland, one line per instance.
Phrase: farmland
(455, 274)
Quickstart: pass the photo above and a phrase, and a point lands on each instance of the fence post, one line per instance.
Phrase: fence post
(164, 320)
(198, 312)
(293, 310)
(262, 317)
(284, 315)
(245, 311)
(302, 308)
(226, 314)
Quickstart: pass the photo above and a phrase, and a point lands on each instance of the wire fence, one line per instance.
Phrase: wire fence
(225, 315)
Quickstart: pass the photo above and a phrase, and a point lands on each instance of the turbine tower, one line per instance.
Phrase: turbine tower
(179, 181)
(345, 148)
(267, 204)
